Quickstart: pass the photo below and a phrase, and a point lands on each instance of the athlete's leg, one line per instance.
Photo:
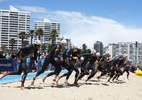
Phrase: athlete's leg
(93, 72)
(112, 73)
(43, 68)
(14, 73)
(56, 71)
(25, 70)
(66, 66)
(85, 71)
(76, 74)
(68, 75)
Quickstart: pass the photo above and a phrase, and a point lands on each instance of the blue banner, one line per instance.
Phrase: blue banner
(6, 65)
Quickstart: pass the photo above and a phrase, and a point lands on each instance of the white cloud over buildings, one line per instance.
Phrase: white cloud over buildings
(81, 28)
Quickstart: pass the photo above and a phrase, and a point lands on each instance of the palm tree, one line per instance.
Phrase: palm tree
(88, 51)
(22, 35)
(12, 41)
(49, 47)
(3, 47)
(39, 33)
(53, 35)
(43, 48)
(25, 42)
(31, 34)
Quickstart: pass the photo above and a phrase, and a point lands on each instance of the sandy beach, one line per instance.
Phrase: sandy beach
(122, 89)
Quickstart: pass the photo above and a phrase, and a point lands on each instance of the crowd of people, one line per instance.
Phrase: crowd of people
(70, 59)
(5, 55)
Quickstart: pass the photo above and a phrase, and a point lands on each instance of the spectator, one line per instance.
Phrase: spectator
(1, 55)
(7, 56)
(32, 65)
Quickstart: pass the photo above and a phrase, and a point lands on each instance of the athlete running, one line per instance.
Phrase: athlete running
(71, 60)
(50, 59)
(87, 63)
(22, 55)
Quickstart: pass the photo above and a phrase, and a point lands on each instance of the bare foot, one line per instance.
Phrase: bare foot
(76, 83)
(33, 81)
(22, 87)
(43, 80)
(2, 77)
(59, 77)
(98, 78)
(66, 83)
(86, 81)
(57, 82)
(54, 83)
(4, 74)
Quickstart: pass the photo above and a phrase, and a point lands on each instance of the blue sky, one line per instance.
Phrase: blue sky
(86, 21)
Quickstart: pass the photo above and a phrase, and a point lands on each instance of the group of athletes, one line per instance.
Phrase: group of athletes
(72, 60)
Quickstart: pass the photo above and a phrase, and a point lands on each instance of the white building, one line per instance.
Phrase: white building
(47, 26)
(132, 49)
(12, 22)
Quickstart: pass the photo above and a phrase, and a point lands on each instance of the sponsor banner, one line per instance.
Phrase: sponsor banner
(6, 65)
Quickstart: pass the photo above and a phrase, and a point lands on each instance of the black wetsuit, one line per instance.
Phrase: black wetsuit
(72, 62)
(50, 59)
(93, 67)
(84, 70)
(105, 66)
(127, 65)
(89, 65)
(116, 64)
(64, 62)
(84, 62)
(22, 54)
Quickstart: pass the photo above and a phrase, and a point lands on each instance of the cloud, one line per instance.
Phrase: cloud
(81, 28)
(2, 0)
(33, 9)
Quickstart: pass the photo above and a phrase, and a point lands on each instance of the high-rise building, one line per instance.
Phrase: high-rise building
(111, 48)
(132, 49)
(98, 46)
(12, 22)
(47, 26)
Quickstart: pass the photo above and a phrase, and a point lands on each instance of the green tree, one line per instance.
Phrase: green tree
(43, 48)
(12, 41)
(49, 47)
(39, 33)
(3, 47)
(88, 51)
(53, 36)
(25, 42)
(31, 35)
(22, 35)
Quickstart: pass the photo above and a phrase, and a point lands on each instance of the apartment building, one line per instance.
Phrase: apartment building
(132, 49)
(12, 22)
(47, 26)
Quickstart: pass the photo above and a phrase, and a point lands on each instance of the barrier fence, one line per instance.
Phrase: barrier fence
(12, 65)
(8, 65)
